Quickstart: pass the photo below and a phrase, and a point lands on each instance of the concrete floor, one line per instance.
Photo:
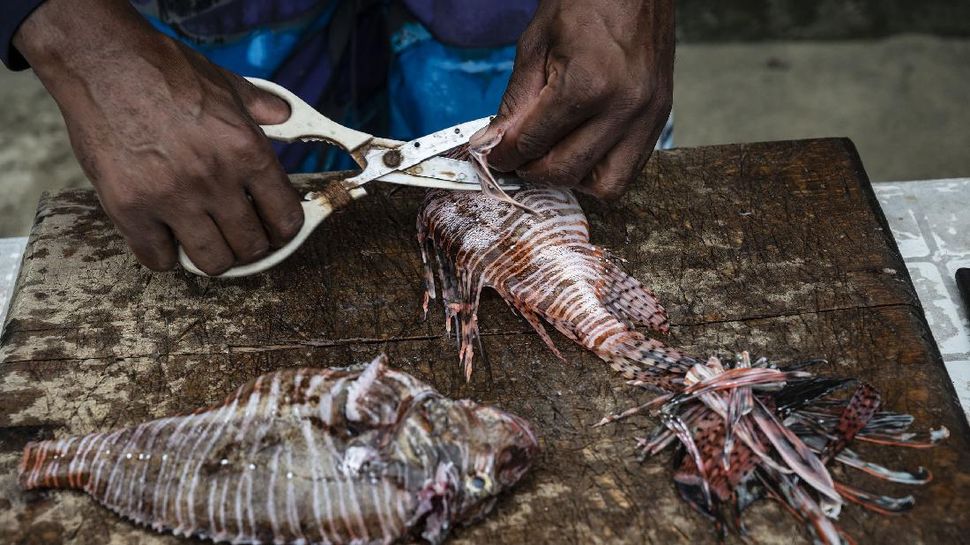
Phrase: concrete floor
(931, 226)
(903, 100)
(35, 155)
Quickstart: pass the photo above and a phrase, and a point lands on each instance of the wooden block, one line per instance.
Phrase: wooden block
(779, 248)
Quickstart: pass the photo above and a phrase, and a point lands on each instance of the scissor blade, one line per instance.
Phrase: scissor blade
(402, 178)
(454, 170)
(384, 161)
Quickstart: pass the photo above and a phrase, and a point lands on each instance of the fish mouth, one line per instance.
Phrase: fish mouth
(516, 459)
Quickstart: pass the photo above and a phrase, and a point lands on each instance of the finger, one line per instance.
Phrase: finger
(265, 108)
(571, 96)
(571, 161)
(151, 242)
(624, 162)
(241, 227)
(276, 202)
(204, 244)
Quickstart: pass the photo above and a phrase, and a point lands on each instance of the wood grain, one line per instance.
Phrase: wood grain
(778, 248)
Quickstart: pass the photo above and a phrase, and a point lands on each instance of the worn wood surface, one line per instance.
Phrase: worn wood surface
(778, 248)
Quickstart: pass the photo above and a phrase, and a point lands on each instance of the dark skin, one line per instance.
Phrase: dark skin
(590, 93)
(172, 142)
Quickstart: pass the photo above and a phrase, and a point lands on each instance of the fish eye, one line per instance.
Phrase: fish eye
(478, 483)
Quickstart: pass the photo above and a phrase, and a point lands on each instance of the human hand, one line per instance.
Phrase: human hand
(170, 141)
(590, 93)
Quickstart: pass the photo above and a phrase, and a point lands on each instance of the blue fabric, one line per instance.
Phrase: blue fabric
(294, 53)
(474, 23)
(423, 86)
(433, 85)
(258, 52)
(219, 20)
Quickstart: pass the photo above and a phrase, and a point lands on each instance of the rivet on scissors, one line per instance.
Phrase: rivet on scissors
(457, 130)
(417, 144)
(392, 158)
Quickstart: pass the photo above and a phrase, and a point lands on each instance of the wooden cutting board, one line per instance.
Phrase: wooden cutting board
(778, 248)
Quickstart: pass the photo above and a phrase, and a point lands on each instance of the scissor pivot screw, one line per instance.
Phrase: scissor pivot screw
(392, 158)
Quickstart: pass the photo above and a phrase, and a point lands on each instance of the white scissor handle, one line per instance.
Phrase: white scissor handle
(306, 123)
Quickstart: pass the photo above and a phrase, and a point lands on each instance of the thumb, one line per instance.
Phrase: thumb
(487, 137)
(265, 108)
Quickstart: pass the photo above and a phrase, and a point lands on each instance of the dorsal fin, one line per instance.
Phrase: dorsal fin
(368, 400)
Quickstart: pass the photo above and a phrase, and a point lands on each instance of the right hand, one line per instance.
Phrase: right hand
(170, 141)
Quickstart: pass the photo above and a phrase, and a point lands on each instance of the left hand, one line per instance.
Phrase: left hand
(590, 93)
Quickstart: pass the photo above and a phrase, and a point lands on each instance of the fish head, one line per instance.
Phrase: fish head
(498, 450)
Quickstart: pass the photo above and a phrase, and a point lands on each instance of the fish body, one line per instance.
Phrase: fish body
(301, 456)
(538, 257)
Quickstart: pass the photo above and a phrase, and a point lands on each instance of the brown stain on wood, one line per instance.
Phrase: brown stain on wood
(778, 248)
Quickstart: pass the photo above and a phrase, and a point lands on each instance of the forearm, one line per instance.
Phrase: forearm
(64, 42)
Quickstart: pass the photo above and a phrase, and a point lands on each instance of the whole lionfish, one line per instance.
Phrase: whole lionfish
(332, 456)
(745, 431)
(541, 262)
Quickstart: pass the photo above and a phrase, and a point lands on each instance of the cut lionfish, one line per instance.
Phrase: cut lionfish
(751, 430)
(301, 456)
(544, 267)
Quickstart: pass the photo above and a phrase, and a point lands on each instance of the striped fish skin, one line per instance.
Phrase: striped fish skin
(544, 266)
(335, 456)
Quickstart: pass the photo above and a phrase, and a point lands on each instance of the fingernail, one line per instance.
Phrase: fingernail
(478, 136)
(486, 138)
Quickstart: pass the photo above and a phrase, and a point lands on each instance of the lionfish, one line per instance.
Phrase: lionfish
(333, 456)
(745, 430)
(537, 256)
(749, 430)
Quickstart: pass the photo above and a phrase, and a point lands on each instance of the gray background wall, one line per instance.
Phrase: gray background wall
(757, 20)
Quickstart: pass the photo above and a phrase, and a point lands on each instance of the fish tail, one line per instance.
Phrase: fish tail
(630, 301)
(649, 361)
(53, 464)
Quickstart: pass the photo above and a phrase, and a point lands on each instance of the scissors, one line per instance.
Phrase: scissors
(415, 163)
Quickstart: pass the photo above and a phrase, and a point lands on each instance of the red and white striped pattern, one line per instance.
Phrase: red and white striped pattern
(300, 456)
(543, 265)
